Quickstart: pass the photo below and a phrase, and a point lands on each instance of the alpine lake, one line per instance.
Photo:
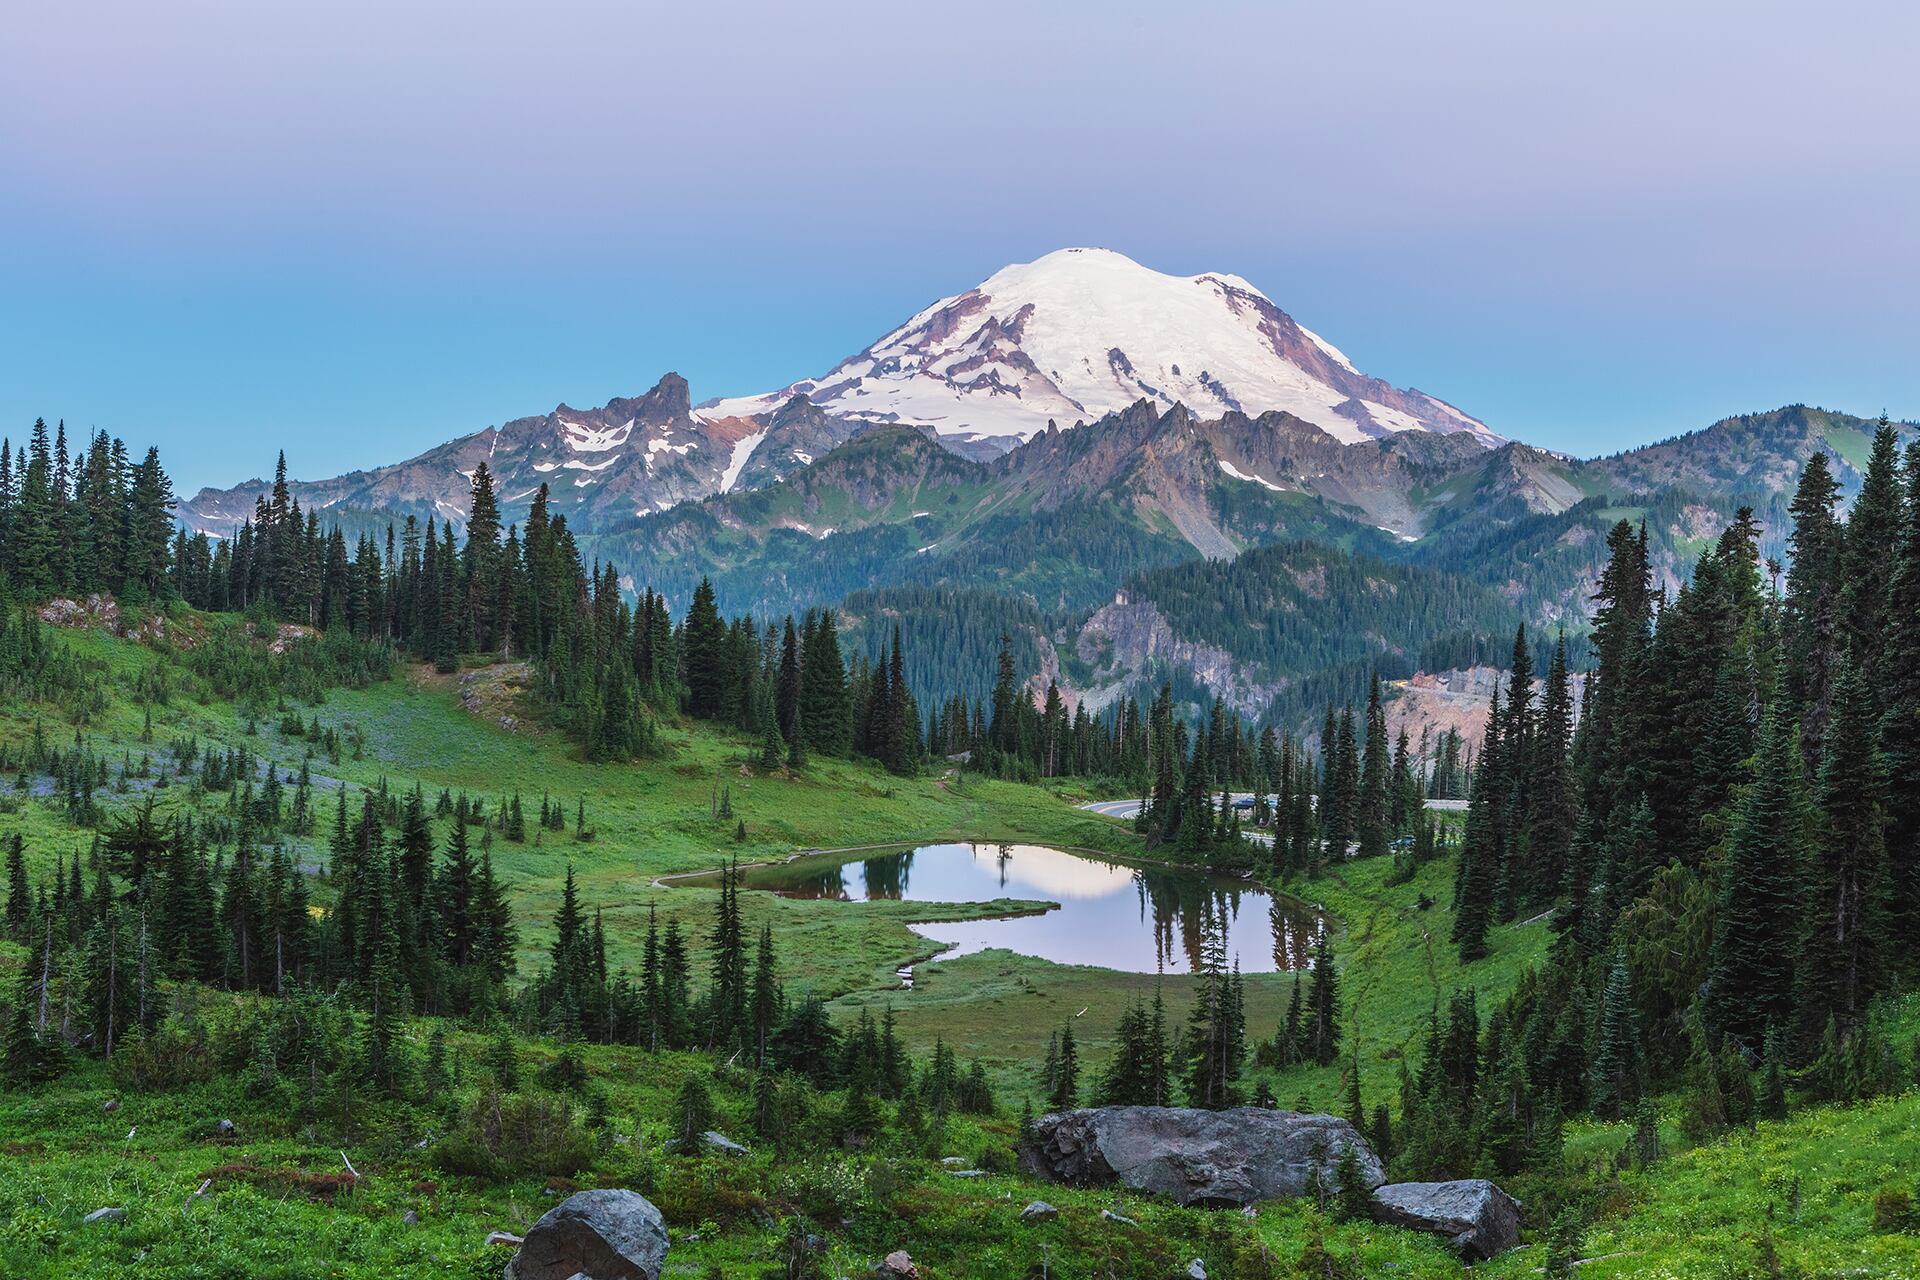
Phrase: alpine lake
(1068, 908)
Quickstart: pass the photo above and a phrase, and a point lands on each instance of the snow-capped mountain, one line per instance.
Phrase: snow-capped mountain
(1072, 338)
(1081, 333)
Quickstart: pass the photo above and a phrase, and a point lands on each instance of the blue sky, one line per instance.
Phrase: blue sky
(359, 229)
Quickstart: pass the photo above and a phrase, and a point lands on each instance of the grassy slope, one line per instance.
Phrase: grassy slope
(652, 819)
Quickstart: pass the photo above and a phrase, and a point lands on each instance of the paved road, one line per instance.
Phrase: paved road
(1131, 808)
(1127, 809)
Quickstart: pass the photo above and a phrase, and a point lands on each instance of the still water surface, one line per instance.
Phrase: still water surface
(1135, 919)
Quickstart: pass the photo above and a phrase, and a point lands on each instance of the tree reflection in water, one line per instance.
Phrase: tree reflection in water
(1139, 919)
(1177, 907)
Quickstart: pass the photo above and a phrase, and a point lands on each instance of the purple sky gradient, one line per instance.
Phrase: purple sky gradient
(358, 232)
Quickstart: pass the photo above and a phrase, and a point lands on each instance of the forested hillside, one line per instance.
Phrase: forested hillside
(1304, 625)
(1728, 847)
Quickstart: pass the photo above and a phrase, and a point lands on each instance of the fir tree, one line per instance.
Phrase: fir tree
(1752, 973)
(1323, 1014)
(1839, 965)
(1616, 1063)
(1374, 804)
(1813, 612)
(19, 896)
(1064, 1076)
(765, 1007)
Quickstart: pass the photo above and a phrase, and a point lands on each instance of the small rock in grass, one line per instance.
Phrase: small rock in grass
(897, 1266)
(1039, 1211)
(224, 1129)
(111, 1214)
(720, 1142)
(1111, 1216)
(1196, 1270)
(110, 1106)
(411, 1218)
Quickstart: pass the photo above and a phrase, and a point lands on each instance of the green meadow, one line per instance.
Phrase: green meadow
(1795, 1198)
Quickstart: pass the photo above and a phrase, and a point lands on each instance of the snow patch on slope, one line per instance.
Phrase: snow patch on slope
(742, 450)
(1238, 474)
(582, 438)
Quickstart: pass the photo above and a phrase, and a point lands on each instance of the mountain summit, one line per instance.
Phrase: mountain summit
(1074, 337)
(1081, 333)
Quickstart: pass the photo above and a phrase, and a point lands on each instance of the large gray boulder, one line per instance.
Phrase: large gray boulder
(602, 1235)
(1477, 1217)
(1196, 1157)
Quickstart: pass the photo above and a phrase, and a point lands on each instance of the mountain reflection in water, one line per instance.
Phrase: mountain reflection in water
(1136, 919)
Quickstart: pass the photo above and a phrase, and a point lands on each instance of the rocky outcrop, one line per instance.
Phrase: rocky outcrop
(797, 434)
(289, 636)
(101, 612)
(601, 1235)
(95, 611)
(1431, 704)
(1478, 1218)
(1126, 640)
(1233, 1157)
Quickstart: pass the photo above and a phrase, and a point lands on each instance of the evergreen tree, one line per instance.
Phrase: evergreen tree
(1813, 607)
(1899, 696)
(1616, 1063)
(704, 656)
(1323, 1005)
(19, 895)
(1371, 824)
(766, 1000)
(825, 711)
(1064, 1075)
(1752, 973)
(1839, 964)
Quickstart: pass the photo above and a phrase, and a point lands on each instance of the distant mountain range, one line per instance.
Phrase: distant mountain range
(1069, 339)
(1077, 438)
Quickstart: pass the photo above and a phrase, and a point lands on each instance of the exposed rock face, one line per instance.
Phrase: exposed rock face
(797, 434)
(1477, 1217)
(1128, 637)
(1456, 700)
(1193, 1156)
(602, 1235)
